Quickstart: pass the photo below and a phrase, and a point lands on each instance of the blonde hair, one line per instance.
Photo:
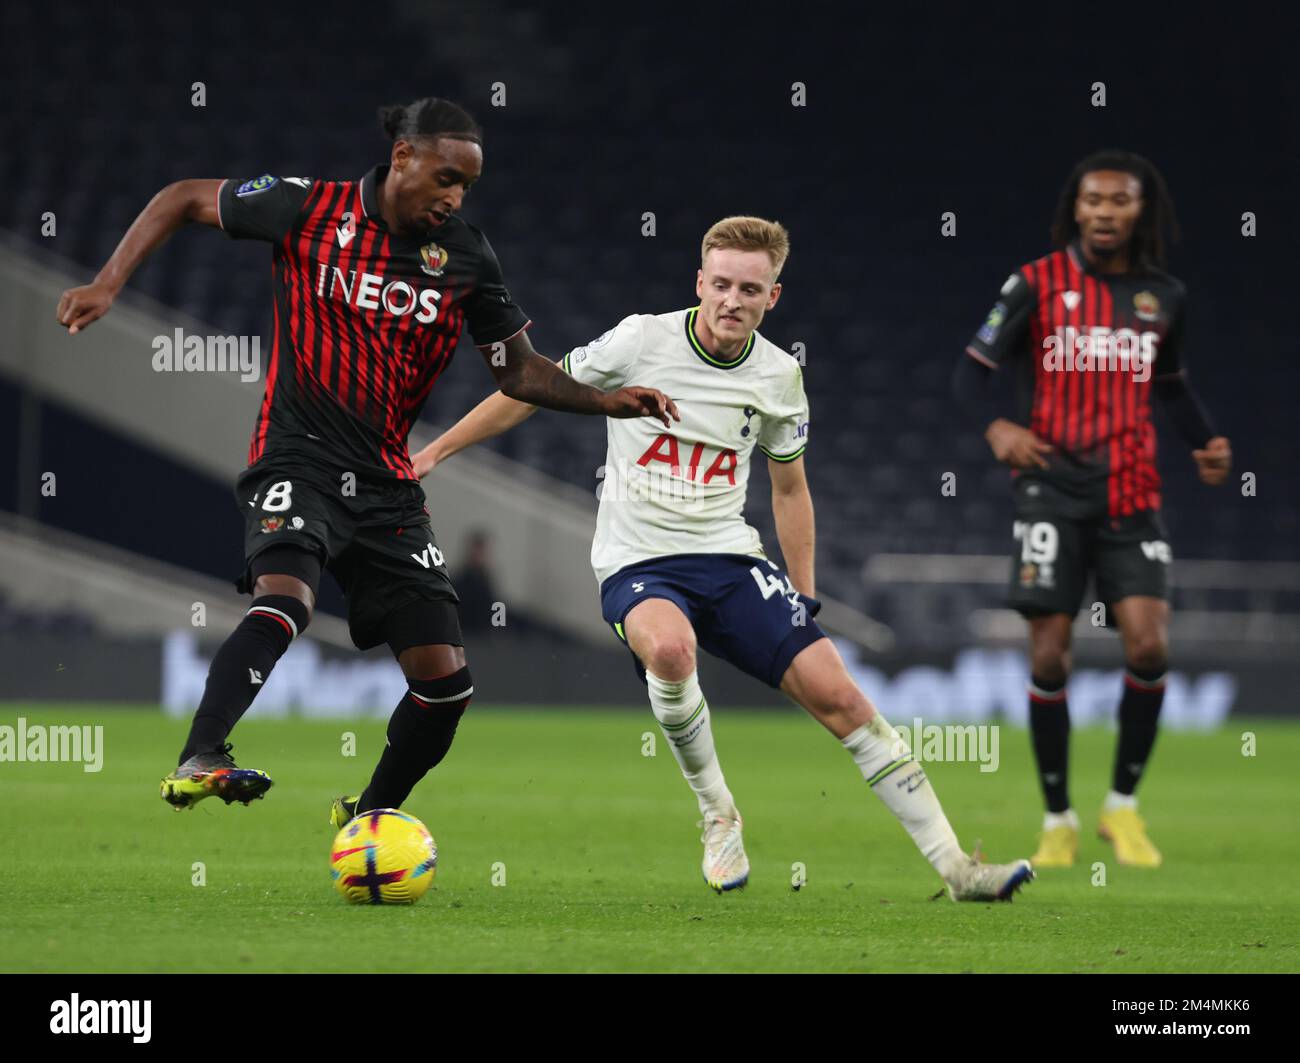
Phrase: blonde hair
(743, 233)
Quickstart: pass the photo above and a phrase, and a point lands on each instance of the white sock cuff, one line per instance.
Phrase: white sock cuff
(1115, 800)
(856, 741)
(669, 689)
(675, 703)
(1068, 818)
(877, 730)
(876, 747)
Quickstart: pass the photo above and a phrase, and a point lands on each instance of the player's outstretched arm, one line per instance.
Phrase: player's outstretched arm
(176, 205)
(525, 375)
(792, 511)
(493, 416)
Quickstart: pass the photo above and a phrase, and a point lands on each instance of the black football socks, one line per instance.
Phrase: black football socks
(420, 732)
(1139, 714)
(242, 666)
(1049, 730)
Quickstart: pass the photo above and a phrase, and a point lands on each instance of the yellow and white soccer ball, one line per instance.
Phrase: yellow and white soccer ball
(383, 857)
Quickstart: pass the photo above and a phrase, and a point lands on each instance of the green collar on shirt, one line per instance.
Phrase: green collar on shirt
(696, 346)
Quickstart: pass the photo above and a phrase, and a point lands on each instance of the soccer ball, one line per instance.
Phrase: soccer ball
(383, 857)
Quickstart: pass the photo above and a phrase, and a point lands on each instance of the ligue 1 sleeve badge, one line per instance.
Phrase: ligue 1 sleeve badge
(434, 259)
(256, 185)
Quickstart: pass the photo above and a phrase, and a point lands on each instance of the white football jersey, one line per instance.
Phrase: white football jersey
(681, 490)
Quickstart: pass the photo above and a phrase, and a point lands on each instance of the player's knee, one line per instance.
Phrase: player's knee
(431, 659)
(670, 657)
(1050, 661)
(1049, 649)
(1148, 651)
(287, 588)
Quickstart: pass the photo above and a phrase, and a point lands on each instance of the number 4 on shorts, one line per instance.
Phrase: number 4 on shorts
(768, 584)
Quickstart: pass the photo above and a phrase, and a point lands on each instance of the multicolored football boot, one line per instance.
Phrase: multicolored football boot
(975, 880)
(213, 774)
(343, 811)
(725, 865)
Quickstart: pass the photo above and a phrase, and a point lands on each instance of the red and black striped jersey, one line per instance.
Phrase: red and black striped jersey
(1087, 347)
(364, 320)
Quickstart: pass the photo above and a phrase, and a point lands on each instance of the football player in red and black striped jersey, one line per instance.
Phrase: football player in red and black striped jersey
(373, 281)
(1093, 333)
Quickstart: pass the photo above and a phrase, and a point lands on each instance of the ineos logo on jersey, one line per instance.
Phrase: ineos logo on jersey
(369, 291)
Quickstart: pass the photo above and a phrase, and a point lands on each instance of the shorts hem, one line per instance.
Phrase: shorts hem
(795, 643)
(244, 581)
(376, 633)
(1030, 611)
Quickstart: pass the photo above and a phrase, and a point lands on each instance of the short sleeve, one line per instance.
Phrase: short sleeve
(606, 362)
(490, 311)
(784, 436)
(1002, 336)
(262, 208)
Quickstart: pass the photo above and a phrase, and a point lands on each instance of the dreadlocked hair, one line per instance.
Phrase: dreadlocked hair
(429, 117)
(1155, 226)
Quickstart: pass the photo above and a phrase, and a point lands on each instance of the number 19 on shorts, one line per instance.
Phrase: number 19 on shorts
(1039, 544)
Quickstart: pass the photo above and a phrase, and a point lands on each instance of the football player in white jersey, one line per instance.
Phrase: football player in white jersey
(679, 567)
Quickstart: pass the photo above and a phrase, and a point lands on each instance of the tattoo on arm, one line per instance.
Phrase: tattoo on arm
(528, 377)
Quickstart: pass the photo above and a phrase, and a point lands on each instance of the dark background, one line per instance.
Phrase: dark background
(686, 111)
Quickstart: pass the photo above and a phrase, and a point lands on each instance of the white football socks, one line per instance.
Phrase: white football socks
(683, 716)
(1116, 800)
(899, 781)
(1068, 818)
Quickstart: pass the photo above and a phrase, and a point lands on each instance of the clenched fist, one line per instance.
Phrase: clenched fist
(78, 307)
(1214, 462)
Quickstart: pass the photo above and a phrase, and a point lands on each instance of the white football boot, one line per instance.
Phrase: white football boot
(726, 867)
(977, 881)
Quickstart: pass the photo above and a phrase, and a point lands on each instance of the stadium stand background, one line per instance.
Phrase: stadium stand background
(608, 117)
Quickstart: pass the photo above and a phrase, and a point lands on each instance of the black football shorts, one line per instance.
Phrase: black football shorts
(374, 536)
(1057, 549)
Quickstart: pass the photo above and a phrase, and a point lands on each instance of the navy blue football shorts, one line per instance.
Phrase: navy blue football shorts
(743, 609)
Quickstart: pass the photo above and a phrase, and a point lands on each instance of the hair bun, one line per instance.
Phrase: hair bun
(390, 118)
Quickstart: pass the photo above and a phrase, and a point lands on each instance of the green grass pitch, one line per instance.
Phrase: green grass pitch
(600, 856)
